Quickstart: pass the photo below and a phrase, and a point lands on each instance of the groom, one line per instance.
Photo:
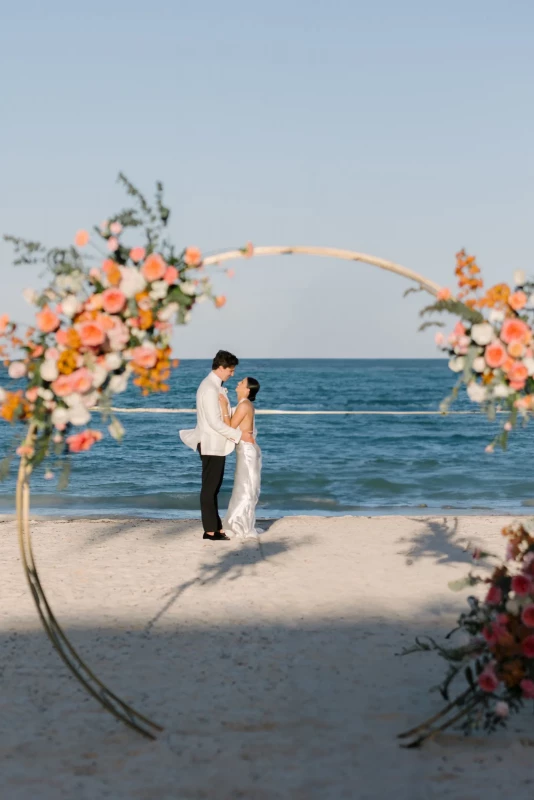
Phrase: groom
(214, 439)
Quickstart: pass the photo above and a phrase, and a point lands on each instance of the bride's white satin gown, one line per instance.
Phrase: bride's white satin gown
(240, 519)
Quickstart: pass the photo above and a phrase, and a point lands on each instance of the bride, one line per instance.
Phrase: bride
(240, 519)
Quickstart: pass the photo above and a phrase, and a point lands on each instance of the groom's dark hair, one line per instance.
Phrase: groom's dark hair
(224, 359)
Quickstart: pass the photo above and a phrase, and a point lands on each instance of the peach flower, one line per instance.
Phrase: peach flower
(515, 330)
(51, 353)
(80, 442)
(171, 275)
(230, 273)
(193, 257)
(32, 394)
(249, 250)
(444, 294)
(91, 334)
(81, 380)
(220, 301)
(62, 386)
(25, 450)
(113, 244)
(81, 238)
(38, 351)
(517, 300)
(516, 349)
(107, 323)
(154, 268)
(145, 357)
(113, 301)
(517, 375)
(495, 355)
(115, 228)
(137, 254)
(4, 322)
(47, 321)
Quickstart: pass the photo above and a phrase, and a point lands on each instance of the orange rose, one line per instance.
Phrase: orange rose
(193, 257)
(220, 301)
(47, 321)
(112, 271)
(91, 334)
(517, 300)
(154, 268)
(113, 301)
(81, 238)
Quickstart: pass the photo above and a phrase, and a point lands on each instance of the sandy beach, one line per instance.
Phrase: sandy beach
(272, 666)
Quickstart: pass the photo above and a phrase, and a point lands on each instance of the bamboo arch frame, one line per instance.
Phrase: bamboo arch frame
(86, 677)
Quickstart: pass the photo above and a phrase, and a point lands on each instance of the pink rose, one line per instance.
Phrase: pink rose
(528, 647)
(171, 275)
(521, 585)
(494, 596)
(113, 301)
(487, 680)
(113, 244)
(527, 616)
(527, 687)
(137, 254)
(115, 228)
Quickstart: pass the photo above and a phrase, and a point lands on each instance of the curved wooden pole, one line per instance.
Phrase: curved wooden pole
(330, 252)
(108, 699)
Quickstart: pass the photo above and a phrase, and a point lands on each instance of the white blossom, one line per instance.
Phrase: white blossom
(132, 282)
(46, 394)
(70, 305)
(118, 383)
(529, 364)
(79, 415)
(73, 399)
(479, 364)
(159, 290)
(31, 296)
(167, 313)
(501, 390)
(482, 333)
(520, 277)
(60, 417)
(113, 361)
(49, 371)
(116, 429)
(16, 370)
(476, 392)
(188, 287)
(496, 315)
(99, 375)
(457, 364)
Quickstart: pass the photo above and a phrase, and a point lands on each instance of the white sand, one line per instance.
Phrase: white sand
(272, 667)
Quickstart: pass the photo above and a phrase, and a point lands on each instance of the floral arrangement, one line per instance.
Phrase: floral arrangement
(497, 656)
(491, 347)
(105, 318)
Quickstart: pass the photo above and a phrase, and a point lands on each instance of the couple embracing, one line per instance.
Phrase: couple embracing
(221, 428)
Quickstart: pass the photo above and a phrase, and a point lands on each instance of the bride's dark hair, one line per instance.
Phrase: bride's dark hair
(254, 387)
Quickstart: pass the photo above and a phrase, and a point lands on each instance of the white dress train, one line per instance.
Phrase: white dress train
(240, 519)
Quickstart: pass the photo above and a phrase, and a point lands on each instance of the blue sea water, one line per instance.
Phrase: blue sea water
(312, 464)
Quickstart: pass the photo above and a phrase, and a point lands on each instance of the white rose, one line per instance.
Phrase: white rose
(70, 305)
(60, 416)
(46, 394)
(188, 287)
(520, 277)
(159, 290)
(529, 364)
(530, 300)
(113, 361)
(74, 399)
(457, 364)
(496, 316)
(476, 392)
(90, 400)
(118, 383)
(482, 333)
(168, 313)
(501, 390)
(17, 370)
(132, 282)
(479, 364)
(79, 415)
(99, 375)
(31, 296)
(49, 371)
(201, 298)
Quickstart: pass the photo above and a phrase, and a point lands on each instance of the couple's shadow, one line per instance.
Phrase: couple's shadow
(231, 565)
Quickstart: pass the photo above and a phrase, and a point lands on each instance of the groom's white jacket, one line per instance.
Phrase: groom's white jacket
(215, 438)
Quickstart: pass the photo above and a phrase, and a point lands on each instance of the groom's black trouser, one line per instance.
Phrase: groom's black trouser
(212, 478)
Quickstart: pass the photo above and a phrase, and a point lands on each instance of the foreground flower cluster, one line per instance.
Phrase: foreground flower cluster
(492, 345)
(497, 656)
(105, 318)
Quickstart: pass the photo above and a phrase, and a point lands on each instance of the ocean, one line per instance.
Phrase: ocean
(320, 465)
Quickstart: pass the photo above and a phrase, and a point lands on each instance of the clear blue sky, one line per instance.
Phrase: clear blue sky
(402, 129)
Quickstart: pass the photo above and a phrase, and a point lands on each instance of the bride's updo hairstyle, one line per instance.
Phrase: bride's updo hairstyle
(254, 387)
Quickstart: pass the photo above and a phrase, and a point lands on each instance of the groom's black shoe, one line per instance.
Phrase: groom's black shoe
(217, 537)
